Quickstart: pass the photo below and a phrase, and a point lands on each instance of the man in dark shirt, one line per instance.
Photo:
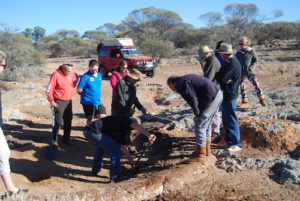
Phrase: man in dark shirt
(229, 78)
(205, 98)
(108, 134)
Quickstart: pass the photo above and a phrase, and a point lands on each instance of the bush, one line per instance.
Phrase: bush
(158, 49)
(22, 59)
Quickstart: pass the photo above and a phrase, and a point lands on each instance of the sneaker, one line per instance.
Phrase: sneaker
(234, 148)
(9, 194)
(262, 101)
(223, 146)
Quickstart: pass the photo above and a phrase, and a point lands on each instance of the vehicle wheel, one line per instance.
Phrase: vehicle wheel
(152, 73)
(103, 71)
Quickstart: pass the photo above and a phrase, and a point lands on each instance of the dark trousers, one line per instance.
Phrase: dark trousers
(63, 113)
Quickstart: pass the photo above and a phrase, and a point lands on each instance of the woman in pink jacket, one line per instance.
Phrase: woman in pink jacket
(117, 75)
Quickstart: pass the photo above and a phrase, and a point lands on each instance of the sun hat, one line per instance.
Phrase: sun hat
(203, 51)
(226, 48)
(135, 74)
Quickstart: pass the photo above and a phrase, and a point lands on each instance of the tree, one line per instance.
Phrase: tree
(37, 34)
(94, 36)
(157, 49)
(150, 22)
(212, 18)
(109, 29)
(63, 33)
(28, 33)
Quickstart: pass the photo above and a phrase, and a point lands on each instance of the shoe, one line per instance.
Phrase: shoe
(9, 194)
(244, 100)
(262, 101)
(200, 155)
(223, 146)
(234, 148)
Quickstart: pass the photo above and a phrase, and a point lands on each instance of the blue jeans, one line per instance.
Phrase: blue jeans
(203, 123)
(104, 142)
(231, 123)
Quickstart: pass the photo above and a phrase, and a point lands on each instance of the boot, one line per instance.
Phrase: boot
(200, 155)
(262, 101)
(208, 150)
(244, 100)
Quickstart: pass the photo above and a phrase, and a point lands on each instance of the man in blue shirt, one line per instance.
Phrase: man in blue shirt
(89, 88)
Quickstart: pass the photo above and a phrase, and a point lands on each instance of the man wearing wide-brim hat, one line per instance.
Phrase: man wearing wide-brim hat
(229, 78)
(125, 97)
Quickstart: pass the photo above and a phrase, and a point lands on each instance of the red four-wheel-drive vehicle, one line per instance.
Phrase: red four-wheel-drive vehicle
(111, 52)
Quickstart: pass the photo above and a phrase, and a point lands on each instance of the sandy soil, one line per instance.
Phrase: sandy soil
(162, 174)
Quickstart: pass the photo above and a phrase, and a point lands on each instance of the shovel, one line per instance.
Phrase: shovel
(135, 169)
(51, 151)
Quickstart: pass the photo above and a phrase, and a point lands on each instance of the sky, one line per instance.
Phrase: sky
(83, 15)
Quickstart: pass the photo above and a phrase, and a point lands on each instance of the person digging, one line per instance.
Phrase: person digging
(108, 134)
(205, 98)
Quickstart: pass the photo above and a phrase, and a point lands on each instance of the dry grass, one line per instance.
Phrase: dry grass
(277, 68)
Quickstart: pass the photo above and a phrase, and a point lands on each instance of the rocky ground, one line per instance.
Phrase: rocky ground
(268, 167)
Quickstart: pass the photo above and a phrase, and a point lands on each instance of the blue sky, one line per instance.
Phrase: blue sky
(83, 15)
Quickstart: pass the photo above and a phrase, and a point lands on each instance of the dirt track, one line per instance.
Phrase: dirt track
(162, 174)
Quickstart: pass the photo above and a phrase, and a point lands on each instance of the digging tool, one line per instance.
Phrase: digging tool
(135, 169)
(52, 149)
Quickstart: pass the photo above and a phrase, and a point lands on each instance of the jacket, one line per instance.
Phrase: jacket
(248, 60)
(61, 87)
(211, 66)
(230, 70)
(114, 79)
(197, 91)
(125, 97)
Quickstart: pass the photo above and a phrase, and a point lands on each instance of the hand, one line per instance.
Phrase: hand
(195, 118)
(229, 81)
(151, 138)
(144, 111)
(53, 104)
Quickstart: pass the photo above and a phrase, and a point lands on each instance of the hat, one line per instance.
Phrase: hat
(226, 48)
(135, 74)
(203, 51)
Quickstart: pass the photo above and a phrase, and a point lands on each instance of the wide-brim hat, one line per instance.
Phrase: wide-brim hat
(226, 48)
(203, 51)
(135, 74)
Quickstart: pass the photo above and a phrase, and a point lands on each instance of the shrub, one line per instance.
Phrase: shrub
(22, 59)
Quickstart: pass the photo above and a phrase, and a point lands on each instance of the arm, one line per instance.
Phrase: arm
(50, 90)
(81, 85)
(114, 80)
(188, 93)
(141, 129)
(254, 61)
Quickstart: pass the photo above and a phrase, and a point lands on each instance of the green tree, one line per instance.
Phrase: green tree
(109, 29)
(157, 49)
(37, 34)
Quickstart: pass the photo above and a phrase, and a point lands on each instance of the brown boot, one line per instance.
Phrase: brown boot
(208, 150)
(201, 155)
(262, 101)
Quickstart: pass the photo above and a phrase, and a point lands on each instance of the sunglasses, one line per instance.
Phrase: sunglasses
(94, 69)
(3, 65)
(241, 43)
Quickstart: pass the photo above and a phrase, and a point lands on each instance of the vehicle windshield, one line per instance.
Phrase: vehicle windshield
(130, 52)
